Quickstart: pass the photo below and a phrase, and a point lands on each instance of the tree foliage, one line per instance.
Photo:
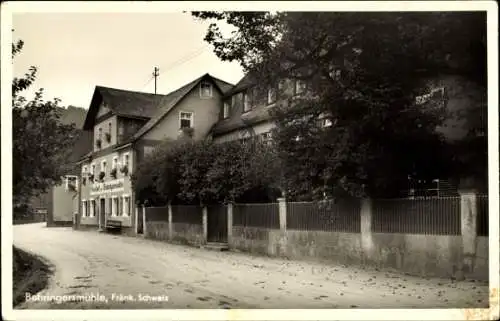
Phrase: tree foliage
(41, 144)
(363, 71)
(202, 172)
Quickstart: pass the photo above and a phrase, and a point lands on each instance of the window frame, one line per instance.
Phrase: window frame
(92, 208)
(226, 107)
(296, 86)
(209, 85)
(127, 211)
(84, 208)
(114, 164)
(247, 105)
(269, 101)
(66, 181)
(104, 165)
(191, 119)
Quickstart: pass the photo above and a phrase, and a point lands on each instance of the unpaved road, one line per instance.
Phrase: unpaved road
(88, 262)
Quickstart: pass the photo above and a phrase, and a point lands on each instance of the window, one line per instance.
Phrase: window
(103, 167)
(126, 160)
(109, 130)
(115, 162)
(84, 170)
(327, 122)
(205, 90)
(92, 167)
(300, 86)
(335, 74)
(84, 208)
(71, 183)
(266, 138)
(227, 107)
(126, 205)
(186, 119)
(114, 206)
(100, 134)
(92, 208)
(246, 102)
(271, 96)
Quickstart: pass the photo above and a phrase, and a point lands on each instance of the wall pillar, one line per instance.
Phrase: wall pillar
(282, 217)
(204, 212)
(136, 220)
(144, 227)
(468, 218)
(229, 222)
(366, 228)
(170, 226)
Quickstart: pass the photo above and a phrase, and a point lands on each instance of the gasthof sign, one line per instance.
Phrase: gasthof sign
(107, 187)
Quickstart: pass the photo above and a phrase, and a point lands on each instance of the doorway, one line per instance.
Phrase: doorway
(102, 212)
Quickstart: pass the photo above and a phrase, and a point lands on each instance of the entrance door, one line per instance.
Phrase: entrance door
(217, 224)
(102, 212)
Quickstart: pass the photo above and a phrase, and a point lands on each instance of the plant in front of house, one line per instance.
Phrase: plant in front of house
(101, 176)
(124, 170)
(113, 173)
(187, 131)
(108, 137)
(98, 143)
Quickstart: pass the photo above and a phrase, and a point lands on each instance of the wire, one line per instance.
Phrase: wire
(184, 59)
(147, 83)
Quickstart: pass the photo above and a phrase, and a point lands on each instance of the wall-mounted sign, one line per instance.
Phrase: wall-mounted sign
(107, 187)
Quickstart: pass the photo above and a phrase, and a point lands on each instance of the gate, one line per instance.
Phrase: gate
(217, 223)
(140, 221)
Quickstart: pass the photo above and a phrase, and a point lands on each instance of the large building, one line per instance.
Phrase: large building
(125, 127)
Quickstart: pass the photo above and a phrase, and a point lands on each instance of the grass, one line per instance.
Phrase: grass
(30, 275)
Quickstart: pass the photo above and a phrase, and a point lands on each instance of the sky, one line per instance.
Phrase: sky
(74, 52)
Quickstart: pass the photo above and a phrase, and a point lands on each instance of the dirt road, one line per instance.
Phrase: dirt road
(128, 272)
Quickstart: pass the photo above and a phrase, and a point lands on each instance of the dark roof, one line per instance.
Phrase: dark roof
(171, 100)
(123, 103)
(244, 83)
(82, 146)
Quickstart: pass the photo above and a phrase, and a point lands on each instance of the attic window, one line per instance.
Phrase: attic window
(205, 90)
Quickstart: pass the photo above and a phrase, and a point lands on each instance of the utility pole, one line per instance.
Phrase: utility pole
(156, 73)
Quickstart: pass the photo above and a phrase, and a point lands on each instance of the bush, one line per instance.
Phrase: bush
(202, 172)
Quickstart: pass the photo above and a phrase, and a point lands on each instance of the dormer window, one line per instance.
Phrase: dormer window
(205, 90)
(246, 102)
(185, 119)
(227, 107)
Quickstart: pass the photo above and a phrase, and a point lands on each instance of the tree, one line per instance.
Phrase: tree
(363, 71)
(41, 144)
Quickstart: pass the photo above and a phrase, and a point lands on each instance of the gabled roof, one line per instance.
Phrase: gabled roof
(172, 99)
(122, 102)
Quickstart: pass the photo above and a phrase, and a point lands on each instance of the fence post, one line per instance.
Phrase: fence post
(282, 211)
(144, 227)
(468, 218)
(229, 222)
(136, 219)
(366, 228)
(205, 224)
(282, 216)
(170, 226)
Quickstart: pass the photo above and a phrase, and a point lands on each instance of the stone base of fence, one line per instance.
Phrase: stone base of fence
(458, 255)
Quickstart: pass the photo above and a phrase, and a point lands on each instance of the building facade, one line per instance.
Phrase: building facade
(126, 126)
